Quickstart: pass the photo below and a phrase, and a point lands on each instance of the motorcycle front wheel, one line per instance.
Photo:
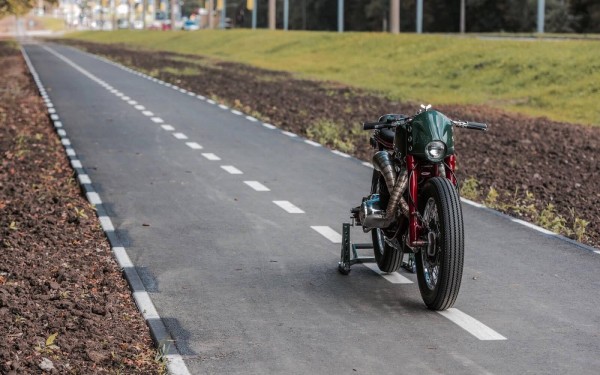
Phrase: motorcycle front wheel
(387, 257)
(440, 264)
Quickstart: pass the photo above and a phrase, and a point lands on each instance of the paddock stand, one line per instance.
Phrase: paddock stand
(349, 255)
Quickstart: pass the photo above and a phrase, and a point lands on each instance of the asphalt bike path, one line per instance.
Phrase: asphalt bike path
(233, 225)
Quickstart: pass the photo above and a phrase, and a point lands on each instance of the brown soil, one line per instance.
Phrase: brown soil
(58, 277)
(557, 162)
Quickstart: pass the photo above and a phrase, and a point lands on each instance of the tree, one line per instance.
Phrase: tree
(18, 7)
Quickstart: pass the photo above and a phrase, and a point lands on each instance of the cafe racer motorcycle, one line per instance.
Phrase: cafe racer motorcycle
(414, 205)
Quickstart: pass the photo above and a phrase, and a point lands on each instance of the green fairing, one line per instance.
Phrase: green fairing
(426, 127)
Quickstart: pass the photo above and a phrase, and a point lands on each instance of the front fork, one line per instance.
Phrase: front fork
(414, 226)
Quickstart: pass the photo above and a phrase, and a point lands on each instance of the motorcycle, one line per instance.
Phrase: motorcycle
(414, 205)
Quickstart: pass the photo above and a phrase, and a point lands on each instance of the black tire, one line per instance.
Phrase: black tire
(388, 258)
(440, 289)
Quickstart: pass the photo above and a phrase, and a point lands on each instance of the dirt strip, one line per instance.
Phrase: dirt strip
(64, 305)
(539, 170)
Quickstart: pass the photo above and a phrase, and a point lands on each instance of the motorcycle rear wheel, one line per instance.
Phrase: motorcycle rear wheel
(440, 274)
(388, 258)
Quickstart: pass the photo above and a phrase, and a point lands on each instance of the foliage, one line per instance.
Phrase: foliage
(438, 15)
(18, 7)
(552, 79)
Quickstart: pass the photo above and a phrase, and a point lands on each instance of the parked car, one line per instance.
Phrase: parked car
(190, 26)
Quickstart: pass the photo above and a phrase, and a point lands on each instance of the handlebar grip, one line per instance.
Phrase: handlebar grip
(477, 126)
(374, 125)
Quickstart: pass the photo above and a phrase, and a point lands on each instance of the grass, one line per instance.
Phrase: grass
(524, 205)
(557, 79)
(51, 23)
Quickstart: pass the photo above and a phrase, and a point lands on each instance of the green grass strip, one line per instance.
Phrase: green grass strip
(559, 79)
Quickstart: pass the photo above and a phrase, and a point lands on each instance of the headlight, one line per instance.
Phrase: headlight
(435, 151)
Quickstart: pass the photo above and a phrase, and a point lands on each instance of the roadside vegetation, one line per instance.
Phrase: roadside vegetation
(540, 78)
(65, 307)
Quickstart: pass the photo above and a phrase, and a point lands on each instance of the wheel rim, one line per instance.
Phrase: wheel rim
(431, 263)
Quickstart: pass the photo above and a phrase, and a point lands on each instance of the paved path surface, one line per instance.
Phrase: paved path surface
(217, 213)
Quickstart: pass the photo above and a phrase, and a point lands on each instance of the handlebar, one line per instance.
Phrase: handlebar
(471, 125)
(393, 124)
(375, 125)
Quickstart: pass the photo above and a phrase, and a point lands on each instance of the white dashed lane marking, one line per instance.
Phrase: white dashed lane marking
(147, 113)
(344, 155)
(471, 325)
(157, 120)
(193, 145)
(223, 106)
(94, 198)
(312, 143)
(328, 233)
(84, 179)
(65, 142)
(180, 136)
(269, 126)
(168, 128)
(140, 107)
(211, 156)
(289, 207)
(106, 223)
(257, 186)
(367, 165)
(231, 169)
(236, 112)
(289, 134)
(394, 277)
(76, 164)
(250, 118)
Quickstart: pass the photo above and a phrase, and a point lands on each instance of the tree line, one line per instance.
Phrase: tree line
(443, 16)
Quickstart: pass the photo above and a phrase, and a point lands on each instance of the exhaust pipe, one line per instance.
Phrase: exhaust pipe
(396, 185)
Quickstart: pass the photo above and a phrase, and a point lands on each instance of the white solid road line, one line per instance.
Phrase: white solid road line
(168, 128)
(180, 136)
(471, 325)
(289, 207)
(394, 277)
(231, 169)
(257, 186)
(366, 164)
(211, 156)
(193, 145)
(328, 233)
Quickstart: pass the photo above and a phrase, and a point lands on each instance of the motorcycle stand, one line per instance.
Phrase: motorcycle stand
(349, 254)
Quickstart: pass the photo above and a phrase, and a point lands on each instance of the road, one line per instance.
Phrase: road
(216, 210)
